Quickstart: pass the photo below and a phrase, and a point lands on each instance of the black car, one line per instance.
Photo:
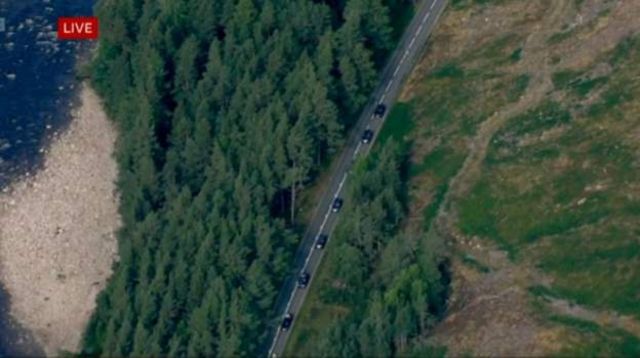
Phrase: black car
(286, 321)
(303, 279)
(380, 109)
(337, 205)
(321, 241)
(367, 136)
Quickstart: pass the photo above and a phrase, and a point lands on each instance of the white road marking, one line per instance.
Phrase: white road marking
(396, 71)
(419, 28)
(341, 184)
(324, 222)
(275, 340)
(306, 261)
(424, 19)
(355, 153)
(388, 86)
(404, 57)
(432, 5)
(413, 40)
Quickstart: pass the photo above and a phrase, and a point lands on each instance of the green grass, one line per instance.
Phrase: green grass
(518, 87)
(474, 263)
(585, 86)
(398, 125)
(619, 92)
(449, 70)
(500, 51)
(597, 269)
(587, 338)
(451, 90)
(504, 144)
(443, 162)
(625, 50)
(567, 32)
(563, 79)
(585, 239)
(561, 36)
(464, 4)
(516, 55)
(505, 148)
(477, 213)
(426, 351)
(430, 211)
(542, 292)
(547, 115)
(546, 208)
(577, 82)
(441, 165)
(596, 340)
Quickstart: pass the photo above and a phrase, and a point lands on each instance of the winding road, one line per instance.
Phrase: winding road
(395, 73)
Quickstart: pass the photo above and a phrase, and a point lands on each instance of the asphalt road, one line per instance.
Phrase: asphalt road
(308, 258)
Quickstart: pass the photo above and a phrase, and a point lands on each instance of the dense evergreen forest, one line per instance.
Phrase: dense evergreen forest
(226, 110)
(382, 287)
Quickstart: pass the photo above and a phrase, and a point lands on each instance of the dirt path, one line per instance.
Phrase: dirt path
(537, 64)
(57, 240)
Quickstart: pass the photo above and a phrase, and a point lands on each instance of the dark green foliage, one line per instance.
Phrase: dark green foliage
(501, 50)
(226, 110)
(476, 212)
(431, 211)
(516, 55)
(373, 262)
(448, 70)
(626, 50)
(398, 124)
(464, 4)
(613, 97)
(518, 87)
(577, 82)
(598, 341)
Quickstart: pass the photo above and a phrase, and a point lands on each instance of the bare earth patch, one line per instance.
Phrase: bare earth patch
(57, 242)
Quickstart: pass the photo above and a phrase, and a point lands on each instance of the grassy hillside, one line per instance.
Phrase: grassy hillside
(524, 159)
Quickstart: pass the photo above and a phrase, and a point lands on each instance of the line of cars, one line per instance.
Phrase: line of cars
(321, 240)
(305, 277)
(378, 112)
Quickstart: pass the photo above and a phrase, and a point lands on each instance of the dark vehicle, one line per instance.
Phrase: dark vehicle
(303, 280)
(321, 241)
(286, 321)
(380, 109)
(367, 136)
(337, 205)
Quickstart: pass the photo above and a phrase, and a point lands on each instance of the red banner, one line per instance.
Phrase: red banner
(77, 28)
